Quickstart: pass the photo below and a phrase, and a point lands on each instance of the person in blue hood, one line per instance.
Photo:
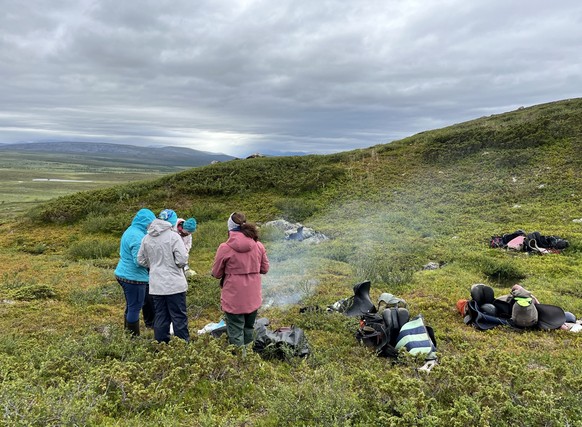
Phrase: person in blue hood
(133, 277)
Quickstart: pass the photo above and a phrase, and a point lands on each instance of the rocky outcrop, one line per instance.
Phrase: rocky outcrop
(297, 231)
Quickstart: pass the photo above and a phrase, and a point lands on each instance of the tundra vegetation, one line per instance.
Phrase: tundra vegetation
(31, 178)
(437, 196)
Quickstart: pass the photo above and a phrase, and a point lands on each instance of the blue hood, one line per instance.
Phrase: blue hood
(143, 218)
(128, 267)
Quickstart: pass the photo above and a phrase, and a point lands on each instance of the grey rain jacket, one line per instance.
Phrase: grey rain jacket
(163, 252)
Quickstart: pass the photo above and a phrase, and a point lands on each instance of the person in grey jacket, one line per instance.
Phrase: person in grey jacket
(163, 252)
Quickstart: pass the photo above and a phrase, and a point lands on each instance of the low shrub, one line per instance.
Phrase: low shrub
(209, 235)
(203, 295)
(104, 294)
(33, 292)
(80, 367)
(296, 209)
(93, 249)
(105, 263)
(383, 269)
(105, 224)
(37, 249)
(337, 251)
(498, 270)
(574, 247)
(268, 233)
(29, 246)
(204, 212)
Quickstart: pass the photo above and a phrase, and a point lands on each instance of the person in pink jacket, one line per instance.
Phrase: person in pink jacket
(239, 263)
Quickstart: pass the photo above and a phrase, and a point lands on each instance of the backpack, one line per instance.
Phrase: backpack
(517, 309)
(281, 343)
(358, 304)
(394, 318)
(380, 332)
(558, 243)
(415, 337)
(372, 332)
(476, 315)
(524, 313)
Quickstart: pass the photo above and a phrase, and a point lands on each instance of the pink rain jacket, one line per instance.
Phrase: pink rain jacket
(239, 262)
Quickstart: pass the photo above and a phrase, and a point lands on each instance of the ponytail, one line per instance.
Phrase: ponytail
(248, 229)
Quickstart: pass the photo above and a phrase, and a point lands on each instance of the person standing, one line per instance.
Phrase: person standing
(163, 252)
(148, 309)
(239, 263)
(185, 228)
(132, 276)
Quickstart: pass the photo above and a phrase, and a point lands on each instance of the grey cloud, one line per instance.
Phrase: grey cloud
(243, 76)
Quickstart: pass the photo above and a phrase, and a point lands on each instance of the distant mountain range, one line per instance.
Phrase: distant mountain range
(119, 153)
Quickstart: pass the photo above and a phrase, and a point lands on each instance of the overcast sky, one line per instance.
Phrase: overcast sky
(276, 76)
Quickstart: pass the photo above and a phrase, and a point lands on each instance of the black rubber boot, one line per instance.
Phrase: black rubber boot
(361, 303)
(133, 328)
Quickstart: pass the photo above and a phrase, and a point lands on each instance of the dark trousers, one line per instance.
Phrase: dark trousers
(134, 297)
(240, 328)
(170, 309)
(148, 310)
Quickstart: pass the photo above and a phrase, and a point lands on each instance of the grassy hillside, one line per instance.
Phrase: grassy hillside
(388, 210)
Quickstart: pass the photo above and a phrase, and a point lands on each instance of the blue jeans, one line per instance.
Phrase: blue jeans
(170, 309)
(134, 298)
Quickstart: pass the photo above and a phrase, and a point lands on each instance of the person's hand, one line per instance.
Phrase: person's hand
(190, 273)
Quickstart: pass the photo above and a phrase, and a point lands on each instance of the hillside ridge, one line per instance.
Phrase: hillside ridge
(500, 142)
(122, 153)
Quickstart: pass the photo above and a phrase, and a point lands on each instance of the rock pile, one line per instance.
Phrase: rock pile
(296, 231)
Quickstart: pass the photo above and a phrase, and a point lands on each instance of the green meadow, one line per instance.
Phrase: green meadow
(27, 179)
(388, 210)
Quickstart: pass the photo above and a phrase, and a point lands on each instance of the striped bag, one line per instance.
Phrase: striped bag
(414, 337)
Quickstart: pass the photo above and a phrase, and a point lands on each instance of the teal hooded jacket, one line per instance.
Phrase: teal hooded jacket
(128, 267)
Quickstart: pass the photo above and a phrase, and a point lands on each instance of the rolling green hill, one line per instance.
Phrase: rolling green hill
(437, 196)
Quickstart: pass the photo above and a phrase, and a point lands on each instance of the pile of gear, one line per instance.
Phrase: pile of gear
(529, 242)
(388, 328)
(519, 309)
(282, 343)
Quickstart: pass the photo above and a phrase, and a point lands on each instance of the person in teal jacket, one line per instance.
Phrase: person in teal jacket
(132, 277)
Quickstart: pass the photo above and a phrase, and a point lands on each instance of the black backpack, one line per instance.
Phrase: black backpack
(281, 344)
(380, 331)
(372, 332)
